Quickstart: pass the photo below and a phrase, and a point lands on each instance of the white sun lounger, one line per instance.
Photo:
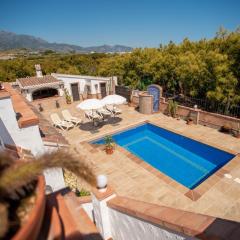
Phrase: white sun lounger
(93, 115)
(103, 112)
(113, 109)
(57, 122)
(69, 118)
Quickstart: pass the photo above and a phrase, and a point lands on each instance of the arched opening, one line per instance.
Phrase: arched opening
(44, 93)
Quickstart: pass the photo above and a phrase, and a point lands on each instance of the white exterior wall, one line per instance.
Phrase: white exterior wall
(97, 82)
(88, 208)
(54, 178)
(82, 82)
(10, 132)
(28, 138)
(101, 216)
(124, 227)
(68, 81)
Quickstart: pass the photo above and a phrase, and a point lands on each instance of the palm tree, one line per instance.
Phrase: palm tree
(18, 179)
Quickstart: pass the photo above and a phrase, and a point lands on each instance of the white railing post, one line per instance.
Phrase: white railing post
(100, 196)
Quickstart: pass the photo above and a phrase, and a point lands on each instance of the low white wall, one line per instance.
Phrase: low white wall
(88, 207)
(54, 178)
(124, 227)
(28, 137)
(101, 216)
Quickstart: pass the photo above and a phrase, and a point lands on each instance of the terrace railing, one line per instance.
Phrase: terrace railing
(205, 104)
(124, 91)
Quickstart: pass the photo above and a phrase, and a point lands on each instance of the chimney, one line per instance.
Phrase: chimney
(1, 86)
(38, 70)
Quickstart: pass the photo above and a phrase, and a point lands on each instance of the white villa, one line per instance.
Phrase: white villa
(105, 215)
(79, 87)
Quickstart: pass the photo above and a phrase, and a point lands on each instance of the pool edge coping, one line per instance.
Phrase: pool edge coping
(93, 138)
(193, 194)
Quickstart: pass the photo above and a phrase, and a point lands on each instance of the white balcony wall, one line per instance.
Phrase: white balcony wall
(124, 226)
(28, 137)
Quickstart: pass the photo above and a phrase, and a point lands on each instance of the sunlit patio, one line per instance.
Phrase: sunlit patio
(137, 180)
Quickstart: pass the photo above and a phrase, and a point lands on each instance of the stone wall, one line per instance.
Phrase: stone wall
(202, 117)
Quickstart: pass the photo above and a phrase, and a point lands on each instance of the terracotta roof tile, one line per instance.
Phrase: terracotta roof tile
(4, 94)
(48, 133)
(37, 81)
(26, 116)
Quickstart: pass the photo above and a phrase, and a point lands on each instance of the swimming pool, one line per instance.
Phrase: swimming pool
(185, 160)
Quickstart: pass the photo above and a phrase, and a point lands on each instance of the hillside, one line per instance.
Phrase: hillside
(9, 41)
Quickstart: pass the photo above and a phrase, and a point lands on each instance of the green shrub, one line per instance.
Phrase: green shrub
(172, 108)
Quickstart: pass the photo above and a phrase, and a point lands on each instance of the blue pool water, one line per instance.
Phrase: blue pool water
(187, 161)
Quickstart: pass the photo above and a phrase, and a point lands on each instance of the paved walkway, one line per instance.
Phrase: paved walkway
(130, 179)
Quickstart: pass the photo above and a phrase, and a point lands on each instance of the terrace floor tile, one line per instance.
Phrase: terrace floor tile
(128, 178)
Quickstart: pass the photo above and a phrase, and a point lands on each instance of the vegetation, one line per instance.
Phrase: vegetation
(18, 181)
(73, 182)
(172, 108)
(203, 69)
(109, 142)
(67, 96)
(82, 193)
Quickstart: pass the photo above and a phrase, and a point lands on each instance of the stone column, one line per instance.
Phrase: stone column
(198, 115)
(60, 92)
(29, 96)
(100, 210)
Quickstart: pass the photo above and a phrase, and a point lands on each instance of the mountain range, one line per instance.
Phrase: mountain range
(10, 40)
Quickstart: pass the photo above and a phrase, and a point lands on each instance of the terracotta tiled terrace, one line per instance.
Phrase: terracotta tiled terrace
(131, 177)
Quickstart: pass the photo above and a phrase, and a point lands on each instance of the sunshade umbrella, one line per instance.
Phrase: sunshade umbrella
(113, 100)
(90, 104)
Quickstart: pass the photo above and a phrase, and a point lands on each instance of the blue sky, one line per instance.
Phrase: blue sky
(142, 23)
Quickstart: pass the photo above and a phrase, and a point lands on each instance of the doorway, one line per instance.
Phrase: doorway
(155, 91)
(103, 89)
(44, 93)
(75, 92)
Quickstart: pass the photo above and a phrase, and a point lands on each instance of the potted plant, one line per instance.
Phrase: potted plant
(172, 108)
(67, 96)
(189, 121)
(109, 144)
(225, 129)
(22, 191)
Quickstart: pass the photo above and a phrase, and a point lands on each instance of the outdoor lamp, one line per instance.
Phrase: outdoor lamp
(102, 183)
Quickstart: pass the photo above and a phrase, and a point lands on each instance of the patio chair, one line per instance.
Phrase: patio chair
(69, 118)
(93, 115)
(57, 122)
(103, 112)
(113, 109)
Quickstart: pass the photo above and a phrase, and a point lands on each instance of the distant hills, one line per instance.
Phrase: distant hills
(10, 41)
